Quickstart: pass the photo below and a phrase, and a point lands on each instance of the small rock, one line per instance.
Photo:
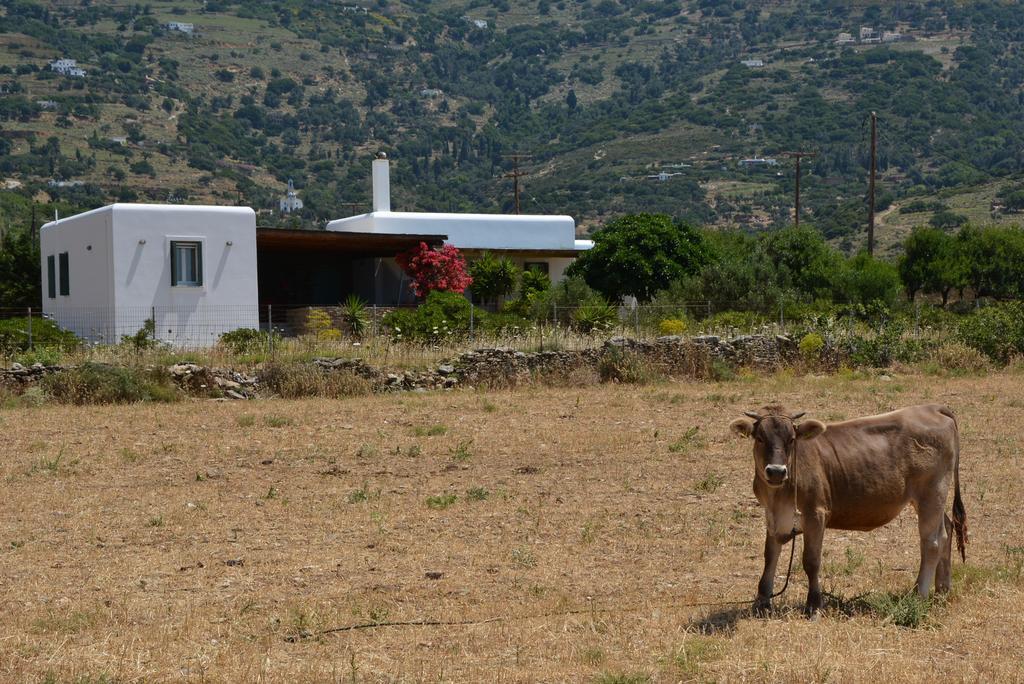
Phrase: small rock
(234, 395)
(224, 383)
(433, 575)
(446, 369)
(885, 378)
(234, 562)
(267, 461)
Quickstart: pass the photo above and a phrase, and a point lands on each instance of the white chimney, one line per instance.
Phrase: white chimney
(381, 183)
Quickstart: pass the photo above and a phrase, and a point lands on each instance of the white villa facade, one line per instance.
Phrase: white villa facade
(192, 269)
(544, 242)
(201, 271)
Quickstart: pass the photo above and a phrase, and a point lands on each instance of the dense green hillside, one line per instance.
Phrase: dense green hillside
(603, 94)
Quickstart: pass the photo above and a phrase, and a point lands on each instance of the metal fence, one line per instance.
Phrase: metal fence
(201, 327)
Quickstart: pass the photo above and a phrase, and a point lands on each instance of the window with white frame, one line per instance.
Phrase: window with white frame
(186, 264)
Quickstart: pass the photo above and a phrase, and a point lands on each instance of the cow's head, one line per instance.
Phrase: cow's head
(775, 433)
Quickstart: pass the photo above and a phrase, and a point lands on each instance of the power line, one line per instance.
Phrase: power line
(871, 185)
(516, 174)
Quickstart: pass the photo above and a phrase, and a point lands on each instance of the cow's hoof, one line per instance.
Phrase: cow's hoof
(811, 613)
(762, 607)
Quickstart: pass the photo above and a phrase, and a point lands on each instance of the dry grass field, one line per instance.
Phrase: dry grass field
(208, 541)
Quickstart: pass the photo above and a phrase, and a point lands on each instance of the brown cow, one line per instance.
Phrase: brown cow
(855, 475)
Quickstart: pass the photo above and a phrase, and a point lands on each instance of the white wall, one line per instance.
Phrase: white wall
(228, 298)
(471, 231)
(126, 277)
(87, 310)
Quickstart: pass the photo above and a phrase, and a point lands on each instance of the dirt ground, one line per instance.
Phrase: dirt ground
(208, 541)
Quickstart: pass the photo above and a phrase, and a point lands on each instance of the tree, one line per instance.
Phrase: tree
(431, 269)
(493, 277)
(638, 255)
(19, 269)
(922, 252)
(803, 261)
(571, 101)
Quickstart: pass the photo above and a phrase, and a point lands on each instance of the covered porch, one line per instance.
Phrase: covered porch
(322, 268)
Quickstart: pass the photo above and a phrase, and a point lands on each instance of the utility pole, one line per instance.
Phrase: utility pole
(798, 156)
(516, 174)
(871, 185)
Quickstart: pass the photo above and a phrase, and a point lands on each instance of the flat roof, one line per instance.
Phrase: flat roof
(359, 244)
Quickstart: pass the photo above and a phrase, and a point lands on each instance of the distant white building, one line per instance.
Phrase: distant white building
(479, 23)
(192, 269)
(752, 62)
(759, 161)
(180, 27)
(46, 104)
(67, 67)
(545, 242)
(845, 39)
(290, 202)
(431, 92)
(891, 36)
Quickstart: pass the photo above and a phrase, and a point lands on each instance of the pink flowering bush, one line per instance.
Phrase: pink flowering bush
(431, 270)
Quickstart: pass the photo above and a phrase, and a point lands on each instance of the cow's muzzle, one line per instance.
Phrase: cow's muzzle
(775, 474)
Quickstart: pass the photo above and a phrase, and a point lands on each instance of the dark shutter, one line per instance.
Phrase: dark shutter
(51, 277)
(199, 263)
(65, 285)
(174, 263)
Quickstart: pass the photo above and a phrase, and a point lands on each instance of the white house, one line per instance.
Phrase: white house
(752, 63)
(67, 67)
(181, 27)
(192, 269)
(545, 242)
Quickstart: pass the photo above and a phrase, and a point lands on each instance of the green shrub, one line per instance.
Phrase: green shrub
(957, 358)
(353, 313)
(144, 337)
(248, 341)
(996, 331)
(811, 346)
(442, 315)
(45, 334)
(94, 383)
(596, 317)
(741, 320)
(672, 326)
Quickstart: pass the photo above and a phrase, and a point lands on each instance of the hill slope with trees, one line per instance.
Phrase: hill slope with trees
(624, 106)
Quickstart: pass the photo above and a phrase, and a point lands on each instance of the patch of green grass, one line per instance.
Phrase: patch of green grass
(246, 420)
(441, 501)
(621, 678)
(156, 521)
(130, 456)
(362, 494)
(477, 494)
(689, 440)
(709, 484)
(430, 431)
(902, 610)
(274, 421)
(461, 453)
(694, 653)
(488, 406)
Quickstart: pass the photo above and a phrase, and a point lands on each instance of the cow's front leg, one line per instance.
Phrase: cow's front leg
(766, 587)
(814, 534)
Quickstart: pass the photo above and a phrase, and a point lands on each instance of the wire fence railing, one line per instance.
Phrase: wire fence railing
(201, 327)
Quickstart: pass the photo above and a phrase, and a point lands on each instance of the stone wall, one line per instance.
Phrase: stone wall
(674, 356)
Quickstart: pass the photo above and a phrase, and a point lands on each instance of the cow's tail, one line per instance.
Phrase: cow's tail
(959, 512)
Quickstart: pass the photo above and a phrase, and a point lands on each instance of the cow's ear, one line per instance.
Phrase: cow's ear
(744, 427)
(809, 429)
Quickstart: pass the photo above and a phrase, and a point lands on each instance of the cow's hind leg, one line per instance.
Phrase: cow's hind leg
(931, 524)
(944, 569)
